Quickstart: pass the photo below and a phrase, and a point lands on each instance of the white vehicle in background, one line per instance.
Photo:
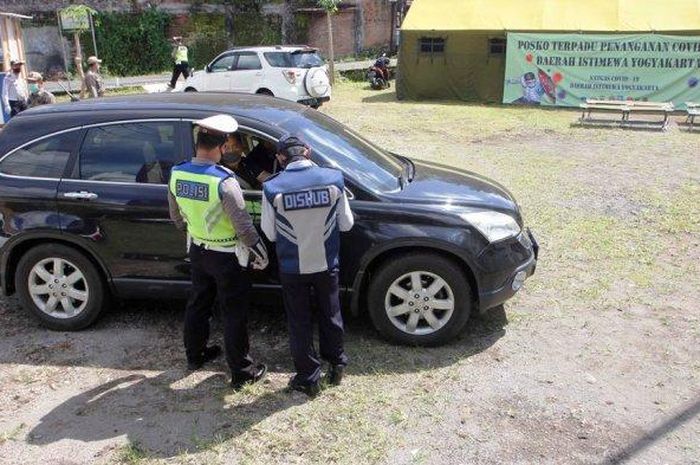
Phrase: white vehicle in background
(296, 73)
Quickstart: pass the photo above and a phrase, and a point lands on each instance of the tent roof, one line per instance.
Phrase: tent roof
(553, 15)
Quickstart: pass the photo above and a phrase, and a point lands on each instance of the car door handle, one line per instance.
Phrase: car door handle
(82, 195)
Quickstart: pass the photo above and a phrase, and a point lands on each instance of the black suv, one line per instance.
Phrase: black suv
(84, 214)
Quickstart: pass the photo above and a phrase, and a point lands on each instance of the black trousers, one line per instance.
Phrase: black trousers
(179, 68)
(17, 106)
(217, 276)
(296, 289)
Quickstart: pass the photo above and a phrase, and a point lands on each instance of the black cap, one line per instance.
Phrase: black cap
(288, 142)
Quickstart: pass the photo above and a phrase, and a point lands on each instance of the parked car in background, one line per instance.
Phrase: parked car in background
(84, 214)
(296, 73)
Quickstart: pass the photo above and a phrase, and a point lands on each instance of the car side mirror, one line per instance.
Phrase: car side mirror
(207, 68)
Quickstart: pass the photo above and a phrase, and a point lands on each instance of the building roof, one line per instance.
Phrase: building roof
(553, 15)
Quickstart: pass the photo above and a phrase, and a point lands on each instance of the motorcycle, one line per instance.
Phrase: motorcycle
(378, 74)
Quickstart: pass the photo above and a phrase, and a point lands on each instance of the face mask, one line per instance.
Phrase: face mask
(230, 158)
(33, 88)
(16, 70)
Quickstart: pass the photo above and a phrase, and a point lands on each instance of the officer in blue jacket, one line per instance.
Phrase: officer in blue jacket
(304, 209)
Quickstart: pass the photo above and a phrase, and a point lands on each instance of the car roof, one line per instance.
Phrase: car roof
(47, 119)
(273, 48)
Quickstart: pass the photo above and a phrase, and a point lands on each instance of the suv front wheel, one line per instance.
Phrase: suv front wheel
(60, 286)
(420, 299)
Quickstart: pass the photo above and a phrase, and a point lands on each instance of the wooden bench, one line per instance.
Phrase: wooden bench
(692, 110)
(625, 108)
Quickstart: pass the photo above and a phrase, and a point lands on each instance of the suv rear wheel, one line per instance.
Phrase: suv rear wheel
(420, 299)
(60, 286)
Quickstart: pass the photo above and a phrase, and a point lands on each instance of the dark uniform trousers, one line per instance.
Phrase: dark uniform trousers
(179, 68)
(217, 276)
(296, 289)
(17, 106)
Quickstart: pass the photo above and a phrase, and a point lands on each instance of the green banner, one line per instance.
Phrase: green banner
(566, 69)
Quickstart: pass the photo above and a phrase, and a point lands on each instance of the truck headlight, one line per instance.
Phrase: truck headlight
(493, 225)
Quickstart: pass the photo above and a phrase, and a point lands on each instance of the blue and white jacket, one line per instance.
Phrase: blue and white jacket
(304, 209)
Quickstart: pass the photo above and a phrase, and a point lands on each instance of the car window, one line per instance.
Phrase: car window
(133, 152)
(339, 147)
(248, 61)
(309, 59)
(44, 159)
(306, 59)
(225, 63)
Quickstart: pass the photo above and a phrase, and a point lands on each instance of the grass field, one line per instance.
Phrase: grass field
(597, 360)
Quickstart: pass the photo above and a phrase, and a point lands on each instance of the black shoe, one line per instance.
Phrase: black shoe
(208, 354)
(334, 375)
(311, 390)
(260, 372)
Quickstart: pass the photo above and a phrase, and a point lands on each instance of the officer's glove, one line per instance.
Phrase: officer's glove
(259, 260)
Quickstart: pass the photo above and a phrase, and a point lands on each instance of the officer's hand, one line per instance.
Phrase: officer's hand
(259, 256)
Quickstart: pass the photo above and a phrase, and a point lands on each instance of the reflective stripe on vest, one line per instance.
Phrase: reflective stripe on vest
(196, 190)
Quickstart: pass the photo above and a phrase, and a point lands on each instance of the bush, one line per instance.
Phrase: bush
(132, 44)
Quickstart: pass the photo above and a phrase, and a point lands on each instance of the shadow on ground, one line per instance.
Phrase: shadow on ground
(147, 335)
(175, 411)
(157, 418)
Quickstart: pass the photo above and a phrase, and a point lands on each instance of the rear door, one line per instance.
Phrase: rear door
(220, 73)
(248, 73)
(29, 178)
(115, 199)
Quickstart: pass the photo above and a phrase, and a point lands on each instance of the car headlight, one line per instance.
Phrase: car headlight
(493, 225)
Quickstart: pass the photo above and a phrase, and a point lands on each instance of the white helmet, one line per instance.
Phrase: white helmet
(224, 124)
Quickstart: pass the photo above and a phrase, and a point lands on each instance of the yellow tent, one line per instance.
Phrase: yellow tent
(456, 48)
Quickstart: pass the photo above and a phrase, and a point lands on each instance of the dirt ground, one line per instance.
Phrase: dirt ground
(596, 361)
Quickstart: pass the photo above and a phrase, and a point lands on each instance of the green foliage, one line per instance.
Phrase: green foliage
(133, 44)
(330, 6)
(206, 35)
(77, 12)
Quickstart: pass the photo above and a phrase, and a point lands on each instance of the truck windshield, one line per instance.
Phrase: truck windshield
(300, 59)
(335, 145)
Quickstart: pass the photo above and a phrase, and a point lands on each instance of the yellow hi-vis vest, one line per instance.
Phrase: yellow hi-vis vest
(180, 54)
(196, 190)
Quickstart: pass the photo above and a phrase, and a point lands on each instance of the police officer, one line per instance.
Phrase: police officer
(181, 65)
(304, 209)
(206, 200)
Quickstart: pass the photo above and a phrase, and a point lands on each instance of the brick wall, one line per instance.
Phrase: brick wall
(343, 32)
(377, 27)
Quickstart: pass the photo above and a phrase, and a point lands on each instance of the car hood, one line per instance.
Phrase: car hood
(451, 187)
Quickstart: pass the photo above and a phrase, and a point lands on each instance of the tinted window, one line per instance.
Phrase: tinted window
(248, 61)
(43, 159)
(340, 147)
(293, 60)
(133, 152)
(223, 64)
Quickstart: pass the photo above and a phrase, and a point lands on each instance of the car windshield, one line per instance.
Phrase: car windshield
(300, 59)
(367, 164)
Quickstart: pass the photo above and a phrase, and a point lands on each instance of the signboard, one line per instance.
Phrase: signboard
(74, 20)
(565, 69)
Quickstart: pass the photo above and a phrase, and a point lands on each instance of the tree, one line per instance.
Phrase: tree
(331, 7)
(77, 14)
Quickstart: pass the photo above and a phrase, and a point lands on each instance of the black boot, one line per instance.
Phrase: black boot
(207, 355)
(310, 389)
(239, 382)
(334, 375)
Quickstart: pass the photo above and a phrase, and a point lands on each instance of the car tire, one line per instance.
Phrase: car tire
(190, 89)
(436, 322)
(77, 287)
(265, 92)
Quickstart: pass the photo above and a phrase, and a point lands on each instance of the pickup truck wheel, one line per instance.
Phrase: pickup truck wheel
(60, 286)
(420, 299)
